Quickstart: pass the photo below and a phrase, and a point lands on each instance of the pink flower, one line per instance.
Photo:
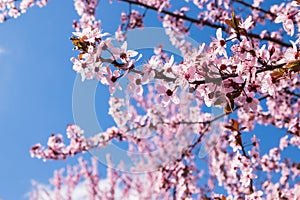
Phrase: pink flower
(55, 143)
(169, 68)
(74, 131)
(135, 84)
(247, 23)
(256, 3)
(248, 102)
(14, 12)
(120, 35)
(295, 141)
(275, 153)
(255, 142)
(257, 195)
(3, 17)
(287, 22)
(221, 44)
(294, 126)
(167, 94)
(90, 35)
(283, 143)
(80, 66)
(233, 143)
(295, 3)
(148, 72)
(42, 3)
(246, 177)
(111, 80)
(125, 54)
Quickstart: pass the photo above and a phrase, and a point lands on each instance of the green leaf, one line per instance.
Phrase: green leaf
(293, 66)
(277, 73)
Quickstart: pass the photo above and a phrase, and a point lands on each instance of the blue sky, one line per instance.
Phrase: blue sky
(36, 83)
(36, 86)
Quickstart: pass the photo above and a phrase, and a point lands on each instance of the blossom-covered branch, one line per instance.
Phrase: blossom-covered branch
(248, 72)
(203, 22)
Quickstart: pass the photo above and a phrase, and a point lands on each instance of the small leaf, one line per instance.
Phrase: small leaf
(80, 56)
(293, 66)
(228, 22)
(235, 125)
(277, 73)
(243, 128)
(238, 139)
(296, 3)
(220, 101)
(79, 44)
(229, 107)
(233, 22)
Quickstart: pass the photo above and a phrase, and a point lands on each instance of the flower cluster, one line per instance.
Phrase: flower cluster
(244, 68)
(13, 9)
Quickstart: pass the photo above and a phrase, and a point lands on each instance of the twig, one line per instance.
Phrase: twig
(254, 8)
(206, 23)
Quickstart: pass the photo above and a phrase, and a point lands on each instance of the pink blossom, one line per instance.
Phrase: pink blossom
(247, 23)
(90, 35)
(295, 3)
(257, 195)
(233, 142)
(288, 23)
(112, 80)
(249, 102)
(167, 94)
(159, 125)
(220, 44)
(14, 12)
(135, 84)
(283, 143)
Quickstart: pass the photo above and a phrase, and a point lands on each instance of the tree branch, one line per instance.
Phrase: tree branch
(206, 23)
(254, 8)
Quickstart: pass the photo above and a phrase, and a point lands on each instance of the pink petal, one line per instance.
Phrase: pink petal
(161, 88)
(131, 53)
(219, 34)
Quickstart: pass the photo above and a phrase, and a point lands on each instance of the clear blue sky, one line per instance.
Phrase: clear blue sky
(36, 82)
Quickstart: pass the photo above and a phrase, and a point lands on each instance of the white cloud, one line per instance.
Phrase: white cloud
(2, 51)
(80, 192)
(47, 192)
(148, 184)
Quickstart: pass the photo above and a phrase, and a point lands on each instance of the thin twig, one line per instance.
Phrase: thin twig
(254, 8)
(207, 23)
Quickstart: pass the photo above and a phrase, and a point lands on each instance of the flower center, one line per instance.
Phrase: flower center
(169, 92)
(123, 56)
(114, 79)
(223, 67)
(138, 81)
(222, 42)
(249, 99)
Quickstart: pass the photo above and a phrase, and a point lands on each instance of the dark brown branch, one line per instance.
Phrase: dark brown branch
(254, 8)
(226, 76)
(213, 80)
(270, 39)
(270, 68)
(206, 23)
(184, 17)
(291, 93)
(209, 121)
(244, 154)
